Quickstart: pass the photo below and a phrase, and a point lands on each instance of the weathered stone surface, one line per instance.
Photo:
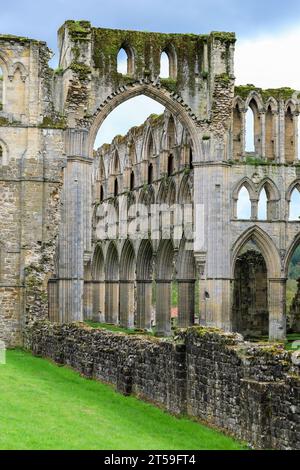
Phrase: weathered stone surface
(250, 391)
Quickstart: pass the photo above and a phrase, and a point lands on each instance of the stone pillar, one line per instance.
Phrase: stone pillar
(186, 302)
(112, 302)
(254, 209)
(53, 300)
(144, 304)
(75, 229)
(127, 304)
(277, 316)
(163, 307)
(88, 300)
(98, 310)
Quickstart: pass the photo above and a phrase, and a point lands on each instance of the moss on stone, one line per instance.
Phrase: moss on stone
(78, 30)
(278, 94)
(19, 39)
(224, 36)
(169, 83)
(4, 122)
(82, 70)
(57, 122)
(147, 48)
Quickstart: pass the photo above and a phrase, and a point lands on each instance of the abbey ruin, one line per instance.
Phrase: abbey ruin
(104, 234)
(55, 189)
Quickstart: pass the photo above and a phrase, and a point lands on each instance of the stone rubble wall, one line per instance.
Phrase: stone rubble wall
(248, 390)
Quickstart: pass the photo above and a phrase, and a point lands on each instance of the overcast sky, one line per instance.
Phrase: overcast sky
(268, 32)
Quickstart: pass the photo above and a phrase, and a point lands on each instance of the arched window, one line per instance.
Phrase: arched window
(132, 154)
(164, 65)
(150, 173)
(1, 155)
(237, 133)
(263, 205)
(170, 165)
(1, 89)
(289, 136)
(250, 145)
(171, 140)
(270, 141)
(191, 159)
(116, 187)
(132, 181)
(116, 164)
(294, 212)
(101, 193)
(253, 129)
(243, 204)
(125, 63)
(149, 147)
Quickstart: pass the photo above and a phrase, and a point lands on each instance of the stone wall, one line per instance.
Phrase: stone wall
(250, 391)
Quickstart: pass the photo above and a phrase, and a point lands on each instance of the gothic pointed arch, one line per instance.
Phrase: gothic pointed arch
(185, 264)
(144, 266)
(127, 262)
(266, 246)
(112, 263)
(98, 266)
(164, 260)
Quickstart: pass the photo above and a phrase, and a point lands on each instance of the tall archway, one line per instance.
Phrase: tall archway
(112, 285)
(144, 285)
(164, 276)
(127, 277)
(160, 95)
(256, 240)
(292, 269)
(98, 283)
(186, 278)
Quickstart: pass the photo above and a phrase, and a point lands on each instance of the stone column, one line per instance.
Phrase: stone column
(144, 304)
(53, 300)
(98, 311)
(112, 302)
(277, 316)
(127, 304)
(186, 302)
(163, 307)
(88, 300)
(75, 229)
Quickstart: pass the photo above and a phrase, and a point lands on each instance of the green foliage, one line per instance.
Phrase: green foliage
(51, 407)
(294, 268)
(169, 83)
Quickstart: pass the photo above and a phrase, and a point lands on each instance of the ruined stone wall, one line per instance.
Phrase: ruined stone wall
(31, 139)
(250, 391)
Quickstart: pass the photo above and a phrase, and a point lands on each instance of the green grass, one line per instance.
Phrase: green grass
(44, 406)
(118, 329)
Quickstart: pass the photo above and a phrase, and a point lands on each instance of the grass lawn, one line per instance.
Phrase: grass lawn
(44, 406)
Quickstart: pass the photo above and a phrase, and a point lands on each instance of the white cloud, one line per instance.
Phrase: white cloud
(269, 61)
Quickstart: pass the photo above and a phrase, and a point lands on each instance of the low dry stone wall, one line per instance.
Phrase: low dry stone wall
(250, 391)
